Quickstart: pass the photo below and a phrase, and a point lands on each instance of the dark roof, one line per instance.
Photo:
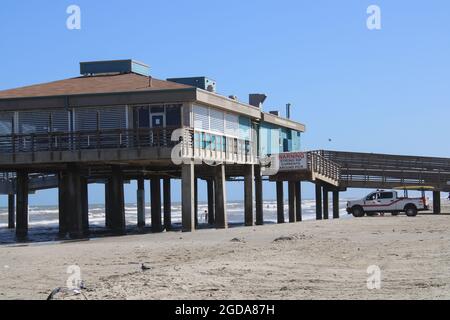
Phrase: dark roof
(108, 83)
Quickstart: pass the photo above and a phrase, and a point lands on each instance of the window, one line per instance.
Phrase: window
(201, 118)
(173, 115)
(372, 196)
(386, 195)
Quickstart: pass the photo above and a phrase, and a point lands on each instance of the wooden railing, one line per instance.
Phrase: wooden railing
(320, 165)
(101, 139)
(195, 143)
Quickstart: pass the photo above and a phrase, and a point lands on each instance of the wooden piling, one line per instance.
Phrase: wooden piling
(436, 202)
(325, 203)
(117, 201)
(298, 200)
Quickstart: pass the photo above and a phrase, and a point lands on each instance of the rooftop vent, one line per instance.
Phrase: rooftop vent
(114, 66)
(233, 97)
(257, 99)
(275, 113)
(199, 82)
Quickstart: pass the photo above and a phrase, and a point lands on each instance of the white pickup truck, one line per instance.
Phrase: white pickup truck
(387, 201)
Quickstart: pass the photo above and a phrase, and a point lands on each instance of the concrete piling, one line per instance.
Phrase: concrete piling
(117, 202)
(298, 201)
(140, 197)
(292, 202)
(22, 204)
(318, 201)
(325, 203)
(211, 205)
(11, 211)
(74, 202)
(167, 202)
(280, 202)
(335, 204)
(248, 195)
(259, 197)
(62, 204)
(156, 204)
(187, 197)
(436, 202)
(196, 202)
(221, 198)
(85, 204)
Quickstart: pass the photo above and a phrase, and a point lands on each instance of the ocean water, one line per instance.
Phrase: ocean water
(43, 220)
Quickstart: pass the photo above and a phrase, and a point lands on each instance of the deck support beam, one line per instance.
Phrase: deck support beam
(140, 197)
(249, 178)
(167, 203)
(292, 202)
(211, 205)
(325, 203)
(156, 204)
(335, 204)
(22, 204)
(298, 201)
(11, 211)
(436, 202)
(116, 202)
(318, 201)
(280, 202)
(187, 196)
(221, 198)
(259, 197)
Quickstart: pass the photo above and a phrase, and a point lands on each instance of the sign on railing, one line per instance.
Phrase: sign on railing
(293, 161)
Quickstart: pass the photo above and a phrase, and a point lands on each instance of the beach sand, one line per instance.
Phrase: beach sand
(312, 260)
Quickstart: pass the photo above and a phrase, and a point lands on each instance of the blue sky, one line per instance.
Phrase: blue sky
(377, 91)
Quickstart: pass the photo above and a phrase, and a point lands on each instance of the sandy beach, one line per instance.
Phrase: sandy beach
(308, 260)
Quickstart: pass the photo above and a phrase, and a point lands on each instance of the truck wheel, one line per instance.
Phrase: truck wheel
(358, 212)
(411, 211)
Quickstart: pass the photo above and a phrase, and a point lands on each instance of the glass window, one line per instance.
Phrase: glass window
(372, 196)
(386, 195)
(173, 116)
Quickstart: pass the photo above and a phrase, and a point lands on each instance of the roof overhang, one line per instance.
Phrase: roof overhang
(282, 122)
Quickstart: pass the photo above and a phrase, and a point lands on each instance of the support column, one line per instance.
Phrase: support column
(196, 202)
(108, 215)
(62, 205)
(325, 203)
(11, 211)
(167, 204)
(156, 204)
(187, 197)
(85, 204)
(335, 204)
(318, 201)
(259, 197)
(292, 202)
(436, 202)
(221, 198)
(298, 200)
(74, 202)
(248, 195)
(211, 205)
(22, 204)
(140, 197)
(280, 202)
(117, 202)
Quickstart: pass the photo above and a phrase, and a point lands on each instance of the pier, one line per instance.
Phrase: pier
(115, 123)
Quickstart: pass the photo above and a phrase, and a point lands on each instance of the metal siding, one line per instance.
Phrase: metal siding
(232, 125)
(217, 121)
(201, 117)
